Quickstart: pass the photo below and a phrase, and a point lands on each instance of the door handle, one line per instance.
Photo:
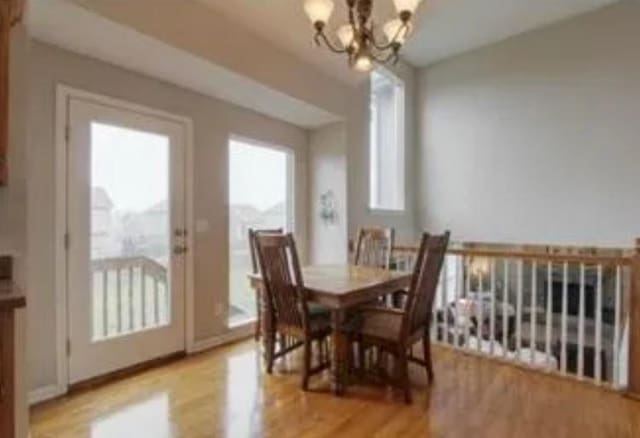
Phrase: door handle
(179, 249)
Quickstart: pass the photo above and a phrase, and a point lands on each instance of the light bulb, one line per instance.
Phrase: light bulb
(406, 5)
(363, 62)
(318, 11)
(396, 30)
(345, 35)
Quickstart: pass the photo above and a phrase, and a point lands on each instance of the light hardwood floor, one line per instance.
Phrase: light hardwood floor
(225, 393)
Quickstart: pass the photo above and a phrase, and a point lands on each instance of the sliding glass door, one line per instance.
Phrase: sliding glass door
(260, 197)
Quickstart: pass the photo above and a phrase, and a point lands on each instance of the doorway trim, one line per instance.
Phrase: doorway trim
(63, 95)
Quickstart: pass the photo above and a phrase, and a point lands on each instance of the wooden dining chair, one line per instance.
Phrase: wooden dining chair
(374, 246)
(287, 299)
(261, 323)
(394, 330)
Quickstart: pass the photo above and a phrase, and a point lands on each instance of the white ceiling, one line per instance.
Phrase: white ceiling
(444, 27)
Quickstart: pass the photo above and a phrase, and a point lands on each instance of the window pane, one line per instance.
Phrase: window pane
(386, 145)
(130, 230)
(258, 199)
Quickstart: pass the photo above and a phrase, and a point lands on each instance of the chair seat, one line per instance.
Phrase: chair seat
(319, 319)
(378, 324)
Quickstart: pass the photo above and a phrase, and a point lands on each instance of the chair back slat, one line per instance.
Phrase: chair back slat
(253, 249)
(282, 277)
(424, 283)
(374, 247)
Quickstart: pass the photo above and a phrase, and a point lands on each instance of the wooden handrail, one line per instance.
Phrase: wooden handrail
(547, 253)
(152, 267)
(634, 323)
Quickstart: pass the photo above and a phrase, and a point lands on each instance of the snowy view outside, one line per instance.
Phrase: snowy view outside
(130, 229)
(258, 195)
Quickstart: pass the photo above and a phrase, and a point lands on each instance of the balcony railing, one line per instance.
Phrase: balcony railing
(129, 294)
(563, 310)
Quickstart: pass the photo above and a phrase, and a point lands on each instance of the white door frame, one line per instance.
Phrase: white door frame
(63, 95)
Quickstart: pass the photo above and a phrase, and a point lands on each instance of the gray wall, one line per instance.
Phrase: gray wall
(537, 139)
(214, 120)
(328, 172)
(213, 36)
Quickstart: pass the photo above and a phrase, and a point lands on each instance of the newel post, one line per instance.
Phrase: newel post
(634, 324)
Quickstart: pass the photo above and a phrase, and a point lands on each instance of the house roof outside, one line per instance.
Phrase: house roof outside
(100, 199)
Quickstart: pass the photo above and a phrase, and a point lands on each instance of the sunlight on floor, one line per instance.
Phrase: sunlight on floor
(152, 416)
(244, 395)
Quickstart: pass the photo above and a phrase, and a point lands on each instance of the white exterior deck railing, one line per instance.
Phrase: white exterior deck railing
(561, 310)
(129, 294)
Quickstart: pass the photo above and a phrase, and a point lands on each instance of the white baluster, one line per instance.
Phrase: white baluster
(143, 293)
(597, 359)
(549, 326)
(445, 314)
(119, 306)
(437, 304)
(131, 271)
(505, 304)
(467, 296)
(156, 299)
(563, 330)
(480, 316)
(616, 328)
(581, 323)
(105, 303)
(492, 319)
(519, 310)
(533, 319)
(456, 290)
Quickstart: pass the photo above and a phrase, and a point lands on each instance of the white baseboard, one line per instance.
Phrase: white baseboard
(234, 334)
(45, 393)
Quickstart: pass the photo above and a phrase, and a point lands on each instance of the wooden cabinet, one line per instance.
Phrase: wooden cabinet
(10, 300)
(10, 14)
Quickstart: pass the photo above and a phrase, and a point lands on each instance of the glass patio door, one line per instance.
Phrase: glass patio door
(125, 196)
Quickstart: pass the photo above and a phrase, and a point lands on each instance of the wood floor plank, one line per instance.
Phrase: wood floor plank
(225, 393)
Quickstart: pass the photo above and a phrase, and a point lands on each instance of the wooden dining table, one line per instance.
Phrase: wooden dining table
(340, 288)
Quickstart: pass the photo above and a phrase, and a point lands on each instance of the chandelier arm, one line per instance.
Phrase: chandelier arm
(351, 7)
(382, 47)
(396, 57)
(371, 36)
(394, 41)
(378, 59)
(320, 36)
(391, 56)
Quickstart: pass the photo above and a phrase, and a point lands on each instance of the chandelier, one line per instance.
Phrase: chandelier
(358, 38)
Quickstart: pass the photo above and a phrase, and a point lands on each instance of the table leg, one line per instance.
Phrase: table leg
(339, 353)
